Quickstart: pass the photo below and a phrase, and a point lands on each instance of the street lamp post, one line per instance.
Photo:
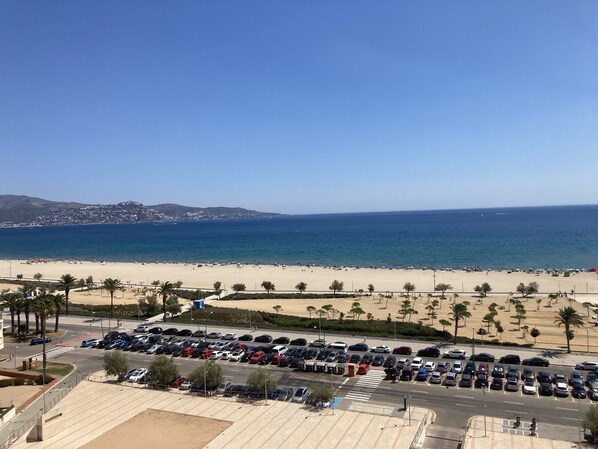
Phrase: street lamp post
(588, 339)
(205, 382)
(473, 341)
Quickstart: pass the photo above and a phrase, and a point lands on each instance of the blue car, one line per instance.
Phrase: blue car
(422, 375)
(359, 347)
(39, 341)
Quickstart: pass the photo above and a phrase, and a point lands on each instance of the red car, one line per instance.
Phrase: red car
(276, 359)
(363, 368)
(405, 350)
(240, 346)
(177, 382)
(206, 353)
(257, 357)
(187, 352)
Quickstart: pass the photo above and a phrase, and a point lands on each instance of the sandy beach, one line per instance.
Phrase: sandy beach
(584, 286)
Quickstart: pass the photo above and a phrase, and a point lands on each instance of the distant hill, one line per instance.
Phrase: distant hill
(20, 210)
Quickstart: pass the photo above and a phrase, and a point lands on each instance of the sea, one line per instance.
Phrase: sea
(564, 237)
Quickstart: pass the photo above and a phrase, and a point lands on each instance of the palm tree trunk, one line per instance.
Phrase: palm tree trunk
(567, 337)
(66, 299)
(456, 327)
(164, 306)
(12, 320)
(57, 316)
(36, 322)
(26, 317)
(111, 306)
(18, 320)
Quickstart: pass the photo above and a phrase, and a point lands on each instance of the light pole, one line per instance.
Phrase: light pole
(207, 318)
(205, 381)
(15, 355)
(473, 341)
(588, 339)
(485, 432)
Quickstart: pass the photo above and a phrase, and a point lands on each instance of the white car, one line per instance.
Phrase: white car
(216, 355)
(561, 390)
(381, 348)
(137, 375)
(225, 355)
(142, 328)
(430, 366)
(455, 354)
(230, 336)
(529, 387)
(186, 385)
(417, 363)
(236, 355)
(457, 367)
(90, 343)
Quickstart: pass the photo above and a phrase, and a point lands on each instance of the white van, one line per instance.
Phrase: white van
(339, 346)
(279, 350)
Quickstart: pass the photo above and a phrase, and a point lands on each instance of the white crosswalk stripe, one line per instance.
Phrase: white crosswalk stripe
(365, 386)
(55, 352)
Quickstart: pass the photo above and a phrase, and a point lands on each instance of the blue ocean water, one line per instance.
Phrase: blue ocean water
(539, 237)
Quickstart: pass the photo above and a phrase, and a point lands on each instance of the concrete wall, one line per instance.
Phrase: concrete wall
(6, 414)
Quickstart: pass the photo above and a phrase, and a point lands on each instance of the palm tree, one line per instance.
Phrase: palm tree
(11, 301)
(165, 289)
(59, 299)
(44, 307)
(568, 316)
(112, 285)
(66, 283)
(458, 311)
(25, 291)
(310, 309)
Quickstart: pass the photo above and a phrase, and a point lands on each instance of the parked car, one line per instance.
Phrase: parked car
(298, 342)
(510, 359)
(285, 394)
(450, 379)
(214, 335)
(390, 361)
(229, 336)
(470, 368)
(359, 347)
(498, 371)
(142, 328)
(355, 358)
(483, 368)
(443, 367)
(220, 389)
(457, 367)
(246, 337)
(593, 393)
(559, 377)
(482, 357)
(545, 389)
(528, 375)
(417, 363)
(529, 387)
(300, 395)
(186, 385)
(544, 376)
(481, 381)
(155, 330)
(378, 360)
(198, 334)
(497, 383)
(561, 390)
(422, 375)
(512, 383)
(184, 333)
(90, 343)
(455, 354)
(406, 374)
(281, 341)
(436, 377)
(319, 343)
(403, 350)
(429, 352)
(575, 377)
(587, 366)
(466, 381)
(363, 368)
(39, 341)
(591, 378)
(430, 366)
(257, 357)
(367, 358)
(170, 331)
(536, 361)
(138, 375)
(381, 348)
(176, 383)
(578, 391)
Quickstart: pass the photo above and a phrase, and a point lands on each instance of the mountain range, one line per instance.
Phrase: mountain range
(20, 210)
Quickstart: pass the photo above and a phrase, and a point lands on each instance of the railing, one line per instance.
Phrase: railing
(60, 391)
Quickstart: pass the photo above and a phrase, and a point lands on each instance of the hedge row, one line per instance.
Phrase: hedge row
(275, 295)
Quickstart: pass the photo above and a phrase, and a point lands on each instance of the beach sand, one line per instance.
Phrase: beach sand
(318, 279)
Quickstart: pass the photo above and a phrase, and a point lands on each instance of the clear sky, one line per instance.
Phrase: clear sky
(301, 106)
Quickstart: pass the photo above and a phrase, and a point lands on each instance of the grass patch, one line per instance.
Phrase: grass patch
(55, 369)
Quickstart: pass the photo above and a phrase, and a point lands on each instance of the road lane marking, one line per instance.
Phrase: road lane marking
(571, 419)
(465, 405)
(420, 391)
(463, 397)
(514, 403)
(565, 408)
(517, 412)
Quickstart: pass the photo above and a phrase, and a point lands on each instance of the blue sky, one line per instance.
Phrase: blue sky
(301, 107)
